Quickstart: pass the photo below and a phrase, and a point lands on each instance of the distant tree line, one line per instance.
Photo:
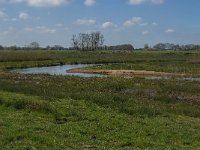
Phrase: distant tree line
(35, 46)
(171, 46)
(95, 41)
(120, 47)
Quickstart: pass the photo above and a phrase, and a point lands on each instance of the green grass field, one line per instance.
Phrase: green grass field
(63, 112)
(167, 61)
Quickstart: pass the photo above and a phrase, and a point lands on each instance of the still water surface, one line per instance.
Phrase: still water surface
(62, 70)
(58, 70)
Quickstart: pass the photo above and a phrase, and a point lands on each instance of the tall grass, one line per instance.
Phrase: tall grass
(131, 96)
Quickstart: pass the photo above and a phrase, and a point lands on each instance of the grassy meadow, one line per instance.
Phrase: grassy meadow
(68, 112)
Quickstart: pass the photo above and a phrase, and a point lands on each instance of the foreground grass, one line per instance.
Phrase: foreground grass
(46, 112)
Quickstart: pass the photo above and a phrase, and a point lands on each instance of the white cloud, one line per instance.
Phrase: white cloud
(157, 1)
(138, 2)
(154, 24)
(107, 25)
(145, 33)
(10, 30)
(169, 30)
(13, 19)
(143, 24)
(66, 28)
(59, 25)
(15, 1)
(44, 29)
(23, 16)
(3, 15)
(28, 29)
(6, 18)
(134, 21)
(40, 29)
(42, 3)
(87, 22)
(89, 2)
(119, 29)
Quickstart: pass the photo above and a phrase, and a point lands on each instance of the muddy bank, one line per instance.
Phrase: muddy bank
(133, 73)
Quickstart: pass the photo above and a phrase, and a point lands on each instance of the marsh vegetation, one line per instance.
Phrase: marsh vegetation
(70, 112)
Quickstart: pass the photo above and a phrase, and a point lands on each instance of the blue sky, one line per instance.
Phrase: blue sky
(53, 22)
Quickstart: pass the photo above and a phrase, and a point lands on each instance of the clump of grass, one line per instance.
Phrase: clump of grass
(20, 101)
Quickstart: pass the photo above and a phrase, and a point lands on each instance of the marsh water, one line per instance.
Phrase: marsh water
(62, 70)
(57, 70)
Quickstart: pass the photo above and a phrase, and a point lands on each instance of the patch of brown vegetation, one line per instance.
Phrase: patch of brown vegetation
(132, 73)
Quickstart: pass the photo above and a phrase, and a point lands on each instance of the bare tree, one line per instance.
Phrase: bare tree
(34, 45)
(74, 41)
(1, 47)
(88, 41)
(92, 40)
(81, 41)
(146, 46)
(101, 40)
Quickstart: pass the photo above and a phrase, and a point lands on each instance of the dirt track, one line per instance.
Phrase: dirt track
(132, 73)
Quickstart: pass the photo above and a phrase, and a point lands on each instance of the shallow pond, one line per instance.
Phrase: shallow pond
(62, 70)
(57, 70)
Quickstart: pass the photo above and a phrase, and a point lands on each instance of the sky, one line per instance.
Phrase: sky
(137, 22)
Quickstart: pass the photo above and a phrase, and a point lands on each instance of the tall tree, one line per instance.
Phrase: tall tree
(74, 41)
(88, 41)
